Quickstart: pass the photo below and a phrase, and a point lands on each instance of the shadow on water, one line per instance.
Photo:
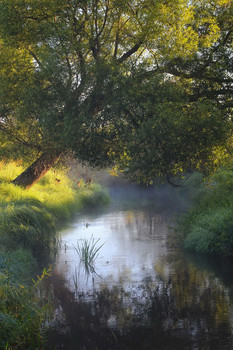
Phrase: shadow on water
(145, 295)
(219, 266)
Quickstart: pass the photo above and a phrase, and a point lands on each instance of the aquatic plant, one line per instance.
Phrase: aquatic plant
(88, 251)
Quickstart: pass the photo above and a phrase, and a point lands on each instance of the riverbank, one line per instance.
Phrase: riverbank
(207, 228)
(28, 222)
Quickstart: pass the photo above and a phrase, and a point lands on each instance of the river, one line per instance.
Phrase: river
(142, 292)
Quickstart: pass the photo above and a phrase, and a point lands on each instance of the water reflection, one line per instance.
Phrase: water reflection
(145, 295)
(185, 310)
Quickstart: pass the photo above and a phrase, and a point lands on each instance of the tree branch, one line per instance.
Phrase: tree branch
(129, 53)
(105, 18)
(14, 136)
(35, 57)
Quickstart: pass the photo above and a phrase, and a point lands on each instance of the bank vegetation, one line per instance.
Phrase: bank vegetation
(28, 222)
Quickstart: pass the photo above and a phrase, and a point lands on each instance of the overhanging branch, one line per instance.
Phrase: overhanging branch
(129, 53)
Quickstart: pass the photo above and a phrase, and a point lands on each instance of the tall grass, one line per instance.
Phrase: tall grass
(55, 190)
(88, 252)
(21, 313)
(28, 220)
(208, 226)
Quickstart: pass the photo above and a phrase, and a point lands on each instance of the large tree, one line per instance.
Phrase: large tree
(169, 135)
(68, 69)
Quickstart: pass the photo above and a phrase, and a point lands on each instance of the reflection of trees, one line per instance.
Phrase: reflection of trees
(144, 224)
(187, 309)
(201, 302)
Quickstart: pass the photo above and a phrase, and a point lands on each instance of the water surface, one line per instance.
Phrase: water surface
(143, 293)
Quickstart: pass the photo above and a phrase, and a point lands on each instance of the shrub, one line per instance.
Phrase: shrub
(212, 233)
(208, 226)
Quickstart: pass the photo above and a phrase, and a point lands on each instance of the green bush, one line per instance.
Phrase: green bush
(20, 312)
(212, 232)
(208, 226)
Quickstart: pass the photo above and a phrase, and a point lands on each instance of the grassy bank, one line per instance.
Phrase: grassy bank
(28, 221)
(207, 228)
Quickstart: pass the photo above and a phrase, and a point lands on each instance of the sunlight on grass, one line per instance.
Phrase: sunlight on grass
(55, 191)
(28, 219)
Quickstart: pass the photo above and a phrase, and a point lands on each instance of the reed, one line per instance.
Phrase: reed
(88, 251)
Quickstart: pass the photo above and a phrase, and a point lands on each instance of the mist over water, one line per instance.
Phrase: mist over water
(142, 293)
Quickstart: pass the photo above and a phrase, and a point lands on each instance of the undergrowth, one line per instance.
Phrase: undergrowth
(207, 228)
(21, 311)
(28, 221)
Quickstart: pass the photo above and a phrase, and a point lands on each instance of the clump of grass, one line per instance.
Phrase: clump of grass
(27, 224)
(88, 251)
(21, 313)
(93, 195)
(208, 226)
(9, 170)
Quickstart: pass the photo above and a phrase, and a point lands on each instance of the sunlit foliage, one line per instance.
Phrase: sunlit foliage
(68, 58)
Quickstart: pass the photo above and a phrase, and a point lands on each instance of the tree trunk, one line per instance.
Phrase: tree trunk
(36, 170)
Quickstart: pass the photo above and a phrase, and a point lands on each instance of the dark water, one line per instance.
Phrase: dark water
(143, 292)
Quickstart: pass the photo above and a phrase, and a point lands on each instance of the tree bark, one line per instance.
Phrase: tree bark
(36, 170)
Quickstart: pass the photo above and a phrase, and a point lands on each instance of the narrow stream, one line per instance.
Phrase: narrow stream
(142, 293)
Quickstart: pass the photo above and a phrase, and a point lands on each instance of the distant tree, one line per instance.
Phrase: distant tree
(64, 66)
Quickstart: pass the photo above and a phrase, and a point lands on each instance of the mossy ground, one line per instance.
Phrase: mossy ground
(28, 221)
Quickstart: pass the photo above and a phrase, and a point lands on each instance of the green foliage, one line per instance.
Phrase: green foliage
(21, 313)
(212, 232)
(90, 196)
(60, 97)
(167, 135)
(208, 227)
(54, 191)
(19, 265)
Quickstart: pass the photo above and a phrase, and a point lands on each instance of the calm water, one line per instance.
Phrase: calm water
(143, 292)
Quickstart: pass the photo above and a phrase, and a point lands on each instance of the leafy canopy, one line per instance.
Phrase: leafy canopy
(64, 66)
